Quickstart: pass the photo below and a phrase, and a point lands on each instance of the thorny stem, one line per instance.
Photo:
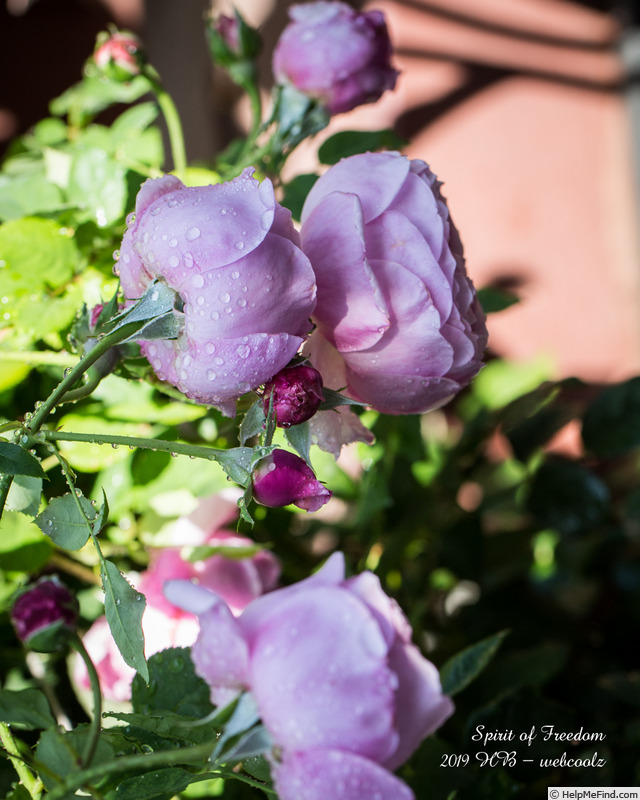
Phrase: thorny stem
(32, 784)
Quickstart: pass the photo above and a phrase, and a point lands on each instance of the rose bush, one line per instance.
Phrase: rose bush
(399, 323)
(237, 573)
(246, 288)
(343, 692)
(337, 55)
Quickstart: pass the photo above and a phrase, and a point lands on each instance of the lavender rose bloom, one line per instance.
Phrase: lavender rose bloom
(398, 319)
(335, 54)
(232, 254)
(339, 686)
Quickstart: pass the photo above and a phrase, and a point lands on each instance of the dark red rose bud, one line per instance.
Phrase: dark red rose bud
(45, 615)
(283, 478)
(297, 393)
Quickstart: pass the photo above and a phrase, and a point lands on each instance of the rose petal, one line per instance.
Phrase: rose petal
(352, 312)
(319, 675)
(320, 774)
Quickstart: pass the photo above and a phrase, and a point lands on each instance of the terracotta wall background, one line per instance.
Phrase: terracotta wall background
(519, 106)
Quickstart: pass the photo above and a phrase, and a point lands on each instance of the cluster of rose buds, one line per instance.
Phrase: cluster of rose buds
(343, 692)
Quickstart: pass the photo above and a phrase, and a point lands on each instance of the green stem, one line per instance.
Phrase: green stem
(172, 118)
(179, 448)
(32, 784)
(147, 761)
(75, 374)
(94, 680)
(39, 357)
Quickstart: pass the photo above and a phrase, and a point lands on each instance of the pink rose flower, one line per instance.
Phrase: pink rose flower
(399, 323)
(246, 288)
(343, 692)
(335, 54)
(282, 478)
(237, 580)
(119, 55)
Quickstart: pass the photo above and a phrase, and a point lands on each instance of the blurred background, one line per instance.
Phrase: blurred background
(527, 110)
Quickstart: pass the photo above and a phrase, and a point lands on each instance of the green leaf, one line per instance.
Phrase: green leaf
(164, 782)
(23, 547)
(237, 463)
(253, 422)
(460, 670)
(567, 497)
(173, 727)
(15, 460)
(124, 607)
(65, 523)
(493, 300)
(611, 425)
(296, 191)
(173, 686)
(350, 143)
(334, 399)
(36, 254)
(258, 767)
(133, 121)
(97, 185)
(91, 95)
(299, 437)
(61, 755)
(28, 195)
(28, 707)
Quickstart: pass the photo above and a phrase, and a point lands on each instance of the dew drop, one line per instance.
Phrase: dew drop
(116, 255)
(173, 243)
(239, 245)
(209, 348)
(200, 300)
(188, 260)
(197, 281)
(218, 360)
(130, 218)
(174, 261)
(192, 233)
(242, 302)
(243, 350)
(225, 297)
(211, 375)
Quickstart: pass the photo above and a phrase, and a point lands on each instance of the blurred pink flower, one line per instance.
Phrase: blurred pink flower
(238, 580)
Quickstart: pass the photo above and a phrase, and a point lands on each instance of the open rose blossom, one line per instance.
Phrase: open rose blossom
(343, 692)
(399, 323)
(335, 54)
(246, 288)
(238, 580)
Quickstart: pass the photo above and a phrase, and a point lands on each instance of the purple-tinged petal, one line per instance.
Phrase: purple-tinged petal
(320, 774)
(421, 708)
(319, 675)
(352, 314)
(375, 178)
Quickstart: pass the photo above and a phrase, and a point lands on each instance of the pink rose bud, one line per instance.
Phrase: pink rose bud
(45, 615)
(283, 478)
(344, 693)
(119, 55)
(335, 54)
(231, 40)
(246, 287)
(399, 323)
(296, 392)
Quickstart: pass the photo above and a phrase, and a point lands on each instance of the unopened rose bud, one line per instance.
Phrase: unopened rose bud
(283, 478)
(335, 54)
(231, 40)
(45, 615)
(296, 392)
(119, 55)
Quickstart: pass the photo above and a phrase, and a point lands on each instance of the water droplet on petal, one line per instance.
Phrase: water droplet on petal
(225, 297)
(239, 245)
(173, 243)
(192, 233)
(197, 281)
(174, 261)
(211, 375)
